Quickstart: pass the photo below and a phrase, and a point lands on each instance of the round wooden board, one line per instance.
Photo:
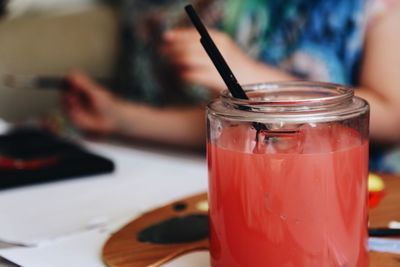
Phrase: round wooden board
(124, 250)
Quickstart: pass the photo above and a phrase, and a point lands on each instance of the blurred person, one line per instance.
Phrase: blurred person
(262, 41)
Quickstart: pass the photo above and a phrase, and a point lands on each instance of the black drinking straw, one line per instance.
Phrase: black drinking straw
(215, 56)
(219, 62)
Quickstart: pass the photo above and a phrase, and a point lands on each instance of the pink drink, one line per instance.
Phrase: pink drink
(296, 200)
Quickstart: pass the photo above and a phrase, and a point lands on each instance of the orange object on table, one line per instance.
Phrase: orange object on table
(376, 190)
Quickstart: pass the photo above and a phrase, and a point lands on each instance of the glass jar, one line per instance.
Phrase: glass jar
(288, 175)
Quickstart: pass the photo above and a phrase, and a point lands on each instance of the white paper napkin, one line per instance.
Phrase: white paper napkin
(142, 181)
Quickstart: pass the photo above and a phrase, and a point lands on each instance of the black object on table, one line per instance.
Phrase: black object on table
(31, 156)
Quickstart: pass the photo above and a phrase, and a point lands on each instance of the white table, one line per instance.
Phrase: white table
(68, 221)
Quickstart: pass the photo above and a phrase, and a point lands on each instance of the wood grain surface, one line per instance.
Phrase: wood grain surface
(387, 210)
(123, 249)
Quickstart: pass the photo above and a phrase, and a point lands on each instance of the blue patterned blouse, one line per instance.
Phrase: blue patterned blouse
(313, 39)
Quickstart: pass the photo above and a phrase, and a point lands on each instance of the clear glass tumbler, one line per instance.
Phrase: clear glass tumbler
(288, 175)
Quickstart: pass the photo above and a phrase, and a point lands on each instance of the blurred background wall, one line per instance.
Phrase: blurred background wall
(23, 7)
(51, 37)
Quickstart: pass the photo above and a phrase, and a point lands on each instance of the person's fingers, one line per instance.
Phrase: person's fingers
(189, 58)
(185, 50)
(80, 92)
(203, 76)
(80, 112)
(83, 84)
(174, 50)
(184, 35)
(72, 105)
(86, 103)
(171, 50)
(181, 35)
(75, 101)
(84, 117)
(84, 121)
(182, 42)
(79, 79)
(191, 62)
(91, 123)
(88, 92)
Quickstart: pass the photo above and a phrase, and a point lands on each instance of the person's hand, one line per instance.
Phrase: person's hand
(183, 48)
(89, 106)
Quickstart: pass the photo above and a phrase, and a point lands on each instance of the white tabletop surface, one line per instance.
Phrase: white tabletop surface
(66, 223)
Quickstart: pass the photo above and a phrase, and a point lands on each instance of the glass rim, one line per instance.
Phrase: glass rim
(274, 102)
(330, 94)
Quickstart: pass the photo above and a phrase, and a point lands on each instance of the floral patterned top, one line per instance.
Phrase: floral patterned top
(313, 39)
